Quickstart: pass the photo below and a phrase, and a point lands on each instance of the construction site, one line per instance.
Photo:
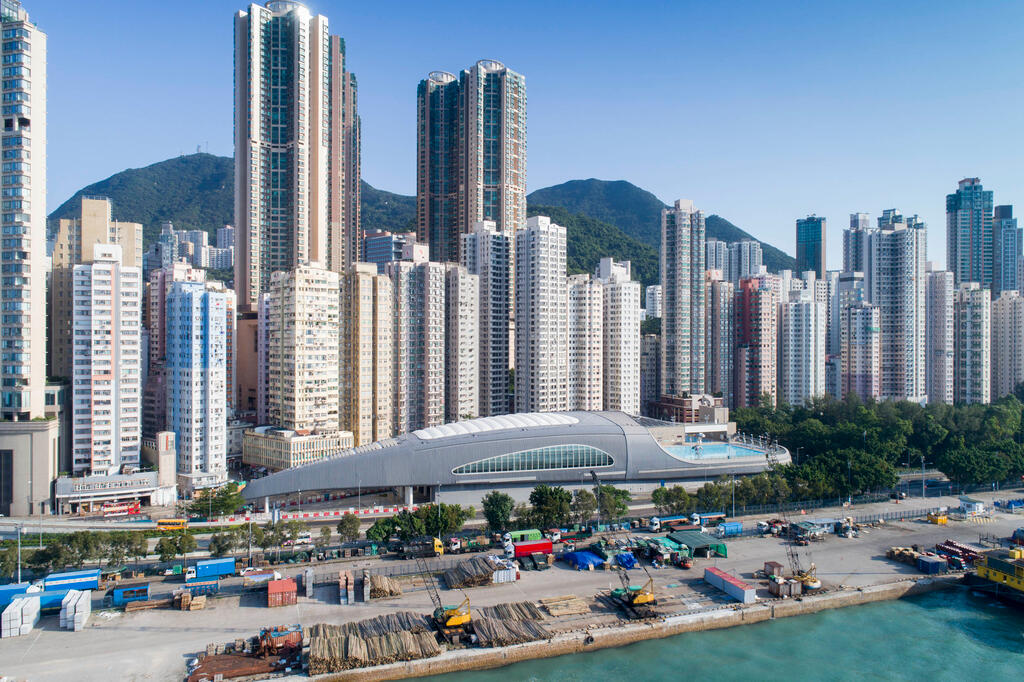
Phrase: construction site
(388, 618)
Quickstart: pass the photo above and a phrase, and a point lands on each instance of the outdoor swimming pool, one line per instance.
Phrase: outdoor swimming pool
(713, 451)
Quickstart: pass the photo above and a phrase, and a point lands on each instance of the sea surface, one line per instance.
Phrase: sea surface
(952, 635)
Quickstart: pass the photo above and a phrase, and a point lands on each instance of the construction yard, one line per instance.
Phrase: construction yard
(158, 644)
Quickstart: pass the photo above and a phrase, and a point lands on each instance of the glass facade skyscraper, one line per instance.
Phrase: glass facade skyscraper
(296, 147)
(969, 233)
(470, 154)
(810, 246)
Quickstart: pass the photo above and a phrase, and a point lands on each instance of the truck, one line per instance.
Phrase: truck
(522, 535)
(728, 529)
(210, 568)
(200, 586)
(658, 522)
(707, 518)
(73, 580)
(528, 547)
(460, 545)
(120, 596)
(422, 548)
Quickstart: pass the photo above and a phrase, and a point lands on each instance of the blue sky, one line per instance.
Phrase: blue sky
(760, 112)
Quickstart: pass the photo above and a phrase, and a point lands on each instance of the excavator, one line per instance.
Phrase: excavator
(452, 622)
(638, 600)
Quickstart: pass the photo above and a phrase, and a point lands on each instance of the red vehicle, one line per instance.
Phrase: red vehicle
(112, 509)
(528, 547)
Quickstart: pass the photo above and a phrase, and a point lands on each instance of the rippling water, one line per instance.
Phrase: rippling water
(953, 635)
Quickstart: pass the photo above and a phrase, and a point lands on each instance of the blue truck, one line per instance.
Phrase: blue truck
(210, 568)
(122, 595)
(73, 580)
(729, 529)
(200, 586)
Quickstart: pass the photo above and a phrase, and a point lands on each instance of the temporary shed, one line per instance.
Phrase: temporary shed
(698, 544)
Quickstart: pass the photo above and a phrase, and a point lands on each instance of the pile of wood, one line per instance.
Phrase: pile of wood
(522, 610)
(475, 572)
(184, 601)
(905, 555)
(346, 587)
(146, 605)
(569, 605)
(330, 653)
(374, 627)
(382, 586)
(491, 632)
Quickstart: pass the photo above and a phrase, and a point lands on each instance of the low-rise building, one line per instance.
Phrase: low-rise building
(276, 449)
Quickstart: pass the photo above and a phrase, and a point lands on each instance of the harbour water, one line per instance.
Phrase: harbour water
(952, 635)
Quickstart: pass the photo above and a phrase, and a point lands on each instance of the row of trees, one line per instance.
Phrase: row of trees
(553, 507)
(78, 549)
(432, 519)
(226, 499)
(848, 447)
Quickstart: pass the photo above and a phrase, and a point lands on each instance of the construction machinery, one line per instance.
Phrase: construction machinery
(639, 601)
(807, 577)
(452, 622)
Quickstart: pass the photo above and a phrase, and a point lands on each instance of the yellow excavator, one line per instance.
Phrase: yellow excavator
(453, 622)
(638, 598)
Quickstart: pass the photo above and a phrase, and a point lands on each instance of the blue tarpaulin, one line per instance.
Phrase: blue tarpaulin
(582, 560)
(626, 560)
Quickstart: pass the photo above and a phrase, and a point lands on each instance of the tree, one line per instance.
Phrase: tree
(294, 528)
(117, 546)
(348, 528)
(8, 562)
(325, 538)
(224, 500)
(138, 546)
(614, 502)
(497, 509)
(551, 505)
(167, 548)
(443, 519)
(584, 504)
(381, 530)
(221, 544)
(84, 545)
(672, 501)
(186, 543)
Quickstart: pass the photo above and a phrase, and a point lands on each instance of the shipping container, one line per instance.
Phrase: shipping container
(728, 529)
(281, 592)
(211, 568)
(731, 585)
(122, 595)
(284, 636)
(529, 547)
(10, 592)
(73, 580)
(203, 586)
(931, 564)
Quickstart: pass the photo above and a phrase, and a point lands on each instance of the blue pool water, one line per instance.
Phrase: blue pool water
(713, 451)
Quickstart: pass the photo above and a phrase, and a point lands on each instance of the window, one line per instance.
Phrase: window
(539, 459)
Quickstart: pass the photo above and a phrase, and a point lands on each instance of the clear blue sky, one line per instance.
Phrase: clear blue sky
(761, 112)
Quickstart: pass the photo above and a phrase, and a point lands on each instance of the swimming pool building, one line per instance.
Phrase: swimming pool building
(463, 461)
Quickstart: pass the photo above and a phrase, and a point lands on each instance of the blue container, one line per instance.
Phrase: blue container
(729, 529)
(49, 600)
(12, 591)
(73, 580)
(931, 565)
(123, 595)
(203, 586)
(215, 568)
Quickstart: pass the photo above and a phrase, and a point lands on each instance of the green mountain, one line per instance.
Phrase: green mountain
(603, 218)
(637, 212)
(387, 210)
(194, 192)
(589, 239)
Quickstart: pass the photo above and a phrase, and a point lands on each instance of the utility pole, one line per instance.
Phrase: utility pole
(922, 476)
(734, 495)
(20, 528)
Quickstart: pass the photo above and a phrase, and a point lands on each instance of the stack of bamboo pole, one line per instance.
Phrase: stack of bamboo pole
(569, 605)
(522, 610)
(382, 586)
(491, 632)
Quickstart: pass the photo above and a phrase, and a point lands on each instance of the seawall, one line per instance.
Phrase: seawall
(628, 633)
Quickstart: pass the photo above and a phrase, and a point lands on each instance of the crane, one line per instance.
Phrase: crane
(451, 620)
(641, 599)
(807, 577)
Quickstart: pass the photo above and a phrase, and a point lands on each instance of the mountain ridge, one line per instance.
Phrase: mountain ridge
(195, 191)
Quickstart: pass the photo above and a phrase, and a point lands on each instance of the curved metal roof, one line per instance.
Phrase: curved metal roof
(502, 423)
